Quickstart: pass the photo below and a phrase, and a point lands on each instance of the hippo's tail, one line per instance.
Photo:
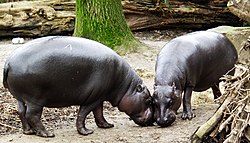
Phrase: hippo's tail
(5, 75)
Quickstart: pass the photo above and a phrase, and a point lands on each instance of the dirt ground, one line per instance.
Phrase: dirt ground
(62, 121)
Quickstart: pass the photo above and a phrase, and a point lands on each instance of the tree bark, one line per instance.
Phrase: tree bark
(102, 21)
(51, 17)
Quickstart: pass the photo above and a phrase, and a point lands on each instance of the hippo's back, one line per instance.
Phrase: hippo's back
(61, 45)
(58, 69)
(201, 44)
(200, 58)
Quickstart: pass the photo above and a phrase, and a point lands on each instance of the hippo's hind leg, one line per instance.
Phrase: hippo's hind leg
(99, 118)
(215, 87)
(33, 115)
(216, 90)
(21, 112)
(187, 111)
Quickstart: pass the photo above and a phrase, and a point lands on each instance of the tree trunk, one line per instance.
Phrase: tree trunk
(50, 17)
(103, 21)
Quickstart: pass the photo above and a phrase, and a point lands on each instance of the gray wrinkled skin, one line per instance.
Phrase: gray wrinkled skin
(60, 71)
(193, 62)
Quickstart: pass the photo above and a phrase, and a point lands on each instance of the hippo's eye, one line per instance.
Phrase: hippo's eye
(169, 101)
(139, 88)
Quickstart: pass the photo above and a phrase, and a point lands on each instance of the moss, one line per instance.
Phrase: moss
(128, 46)
(3, 1)
(103, 21)
(228, 29)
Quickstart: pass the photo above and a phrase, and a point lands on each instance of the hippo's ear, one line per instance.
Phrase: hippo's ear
(139, 88)
(173, 87)
(177, 93)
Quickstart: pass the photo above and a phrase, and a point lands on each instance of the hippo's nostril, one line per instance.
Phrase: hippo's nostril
(164, 122)
(160, 122)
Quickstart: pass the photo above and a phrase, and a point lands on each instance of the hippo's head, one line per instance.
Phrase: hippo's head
(166, 101)
(138, 105)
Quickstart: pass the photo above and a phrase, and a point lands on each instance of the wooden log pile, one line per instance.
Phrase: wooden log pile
(231, 121)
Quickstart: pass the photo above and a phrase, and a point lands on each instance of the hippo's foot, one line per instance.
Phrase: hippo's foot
(28, 132)
(187, 115)
(105, 125)
(85, 131)
(45, 134)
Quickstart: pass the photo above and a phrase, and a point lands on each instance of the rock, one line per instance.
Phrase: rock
(238, 36)
(18, 40)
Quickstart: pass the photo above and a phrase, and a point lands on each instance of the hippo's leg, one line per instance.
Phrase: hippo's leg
(187, 111)
(99, 118)
(216, 90)
(21, 112)
(81, 116)
(33, 115)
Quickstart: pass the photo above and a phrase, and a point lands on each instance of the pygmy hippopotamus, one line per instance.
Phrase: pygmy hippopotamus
(58, 71)
(192, 62)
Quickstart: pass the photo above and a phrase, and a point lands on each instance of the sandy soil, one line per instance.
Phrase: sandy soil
(62, 121)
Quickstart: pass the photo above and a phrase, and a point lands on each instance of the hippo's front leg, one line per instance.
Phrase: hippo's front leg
(81, 116)
(187, 111)
(99, 118)
(80, 121)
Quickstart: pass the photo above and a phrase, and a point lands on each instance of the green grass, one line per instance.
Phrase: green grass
(3, 1)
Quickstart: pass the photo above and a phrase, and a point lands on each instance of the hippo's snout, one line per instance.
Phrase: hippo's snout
(166, 120)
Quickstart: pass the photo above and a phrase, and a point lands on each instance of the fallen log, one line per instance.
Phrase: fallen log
(37, 18)
(240, 8)
(51, 17)
(148, 14)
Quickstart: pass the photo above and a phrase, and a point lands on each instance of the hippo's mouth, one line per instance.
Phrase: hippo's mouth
(145, 120)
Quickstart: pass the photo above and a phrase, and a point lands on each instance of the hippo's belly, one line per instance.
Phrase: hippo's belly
(56, 91)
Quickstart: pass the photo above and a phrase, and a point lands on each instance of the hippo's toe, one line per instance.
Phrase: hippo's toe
(105, 125)
(188, 115)
(85, 131)
(45, 134)
(28, 132)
